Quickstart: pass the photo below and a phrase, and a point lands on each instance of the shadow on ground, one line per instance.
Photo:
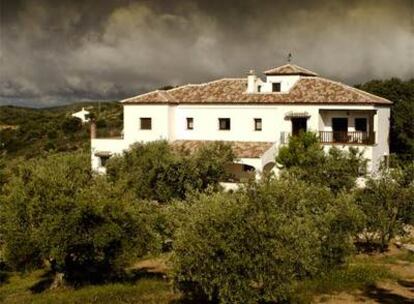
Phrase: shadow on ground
(4, 277)
(407, 284)
(144, 273)
(385, 296)
(46, 280)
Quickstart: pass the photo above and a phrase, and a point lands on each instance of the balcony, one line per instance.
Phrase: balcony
(343, 137)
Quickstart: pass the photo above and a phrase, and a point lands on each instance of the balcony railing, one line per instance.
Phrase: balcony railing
(343, 137)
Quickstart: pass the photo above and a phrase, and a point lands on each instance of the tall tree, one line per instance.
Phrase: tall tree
(402, 113)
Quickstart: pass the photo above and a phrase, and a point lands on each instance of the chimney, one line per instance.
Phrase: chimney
(251, 82)
(93, 129)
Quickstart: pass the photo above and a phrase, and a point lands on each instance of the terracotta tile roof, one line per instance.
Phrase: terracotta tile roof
(290, 69)
(308, 90)
(241, 149)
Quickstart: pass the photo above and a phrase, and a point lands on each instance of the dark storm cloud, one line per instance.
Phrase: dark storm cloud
(57, 51)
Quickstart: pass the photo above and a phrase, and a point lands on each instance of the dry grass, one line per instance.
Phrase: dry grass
(377, 278)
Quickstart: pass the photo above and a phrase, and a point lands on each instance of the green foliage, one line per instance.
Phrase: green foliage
(18, 288)
(86, 228)
(350, 277)
(302, 151)
(305, 159)
(37, 132)
(402, 113)
(155, 171)
(71, 125)
(256, 245)
(388, 203)
(3, 175)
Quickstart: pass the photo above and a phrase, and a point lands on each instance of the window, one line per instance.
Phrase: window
(361, 124)
(258, 124)
(247, 168)
(146, 123)
(190, 123)
(224, 123)
(276, 87)
(259, 88)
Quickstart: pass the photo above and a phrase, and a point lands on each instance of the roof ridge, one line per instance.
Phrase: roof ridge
(204, 83)
(278, 70)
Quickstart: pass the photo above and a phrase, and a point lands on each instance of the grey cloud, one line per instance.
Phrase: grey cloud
(56, 51)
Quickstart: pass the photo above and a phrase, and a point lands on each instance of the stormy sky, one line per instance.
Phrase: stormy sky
(60, 51)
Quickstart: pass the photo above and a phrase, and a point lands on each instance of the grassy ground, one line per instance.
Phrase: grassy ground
(380, 278)
(25, 289)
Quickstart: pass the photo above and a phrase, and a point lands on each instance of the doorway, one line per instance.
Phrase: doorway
(340, 129)
(299, 124)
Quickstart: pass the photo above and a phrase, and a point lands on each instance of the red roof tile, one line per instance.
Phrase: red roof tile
(241, 149)
(308, 90)
(290, 69)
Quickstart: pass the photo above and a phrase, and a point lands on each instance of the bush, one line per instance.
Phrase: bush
(388, 204)
(256, 245)
(155, 171)
(305, 159)
(86, 228)
(71, 125)
(3, 175)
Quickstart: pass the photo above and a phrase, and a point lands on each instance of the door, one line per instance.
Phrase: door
(298, 125)
(340, 130)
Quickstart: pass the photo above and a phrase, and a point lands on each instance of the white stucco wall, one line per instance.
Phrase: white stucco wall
(160, 115)
(382, 130)
(114, 146)
(169, 122)
(286, 83)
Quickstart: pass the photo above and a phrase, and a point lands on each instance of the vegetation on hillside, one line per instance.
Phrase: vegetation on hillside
(36, 132)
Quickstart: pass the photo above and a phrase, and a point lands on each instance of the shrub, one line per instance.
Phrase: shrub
(86, 228)
(155, 171)
(305, 159)
(387, 202)
(71, 125)
(255, 245)
(3, 175)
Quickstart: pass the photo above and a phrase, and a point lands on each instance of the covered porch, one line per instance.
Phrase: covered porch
(354, 127)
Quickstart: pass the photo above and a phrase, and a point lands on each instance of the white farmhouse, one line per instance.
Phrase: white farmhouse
(83, 115)
(256, 117)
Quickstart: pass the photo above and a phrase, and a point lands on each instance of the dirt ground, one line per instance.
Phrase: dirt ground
(399, 291)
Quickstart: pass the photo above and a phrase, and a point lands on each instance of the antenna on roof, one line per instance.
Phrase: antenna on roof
(290, 57)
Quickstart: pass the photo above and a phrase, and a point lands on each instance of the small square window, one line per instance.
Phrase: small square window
(146, 123)
(276, 87)
(190, 123)
(224, 123)
(258, 124)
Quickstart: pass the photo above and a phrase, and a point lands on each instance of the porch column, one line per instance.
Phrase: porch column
(371, 134)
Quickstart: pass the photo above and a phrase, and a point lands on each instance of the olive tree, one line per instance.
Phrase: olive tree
(387, 201)
(304, 158)
(54, 210)
(157, 171)
(257, 244)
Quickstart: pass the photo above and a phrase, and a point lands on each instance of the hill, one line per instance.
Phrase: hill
(30, 132)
